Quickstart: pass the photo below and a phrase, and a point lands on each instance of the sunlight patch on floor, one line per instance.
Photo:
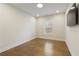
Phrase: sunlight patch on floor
(48, 48)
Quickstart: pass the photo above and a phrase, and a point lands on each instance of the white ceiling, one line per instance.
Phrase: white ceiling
(48, 9)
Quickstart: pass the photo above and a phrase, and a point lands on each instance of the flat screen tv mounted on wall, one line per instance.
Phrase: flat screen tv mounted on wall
(72, 16)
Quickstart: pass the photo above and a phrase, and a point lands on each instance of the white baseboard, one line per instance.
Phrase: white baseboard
(51, 38)
(15, 44)
(24, 41)
(69, 47)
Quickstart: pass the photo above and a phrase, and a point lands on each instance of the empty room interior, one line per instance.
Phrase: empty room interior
(39, 29)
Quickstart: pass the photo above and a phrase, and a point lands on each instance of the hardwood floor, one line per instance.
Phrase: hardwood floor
(39, 47)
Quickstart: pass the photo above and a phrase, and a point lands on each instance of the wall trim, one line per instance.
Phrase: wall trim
(15, 44)
(68, 47)
(25, 41)
(50, 38)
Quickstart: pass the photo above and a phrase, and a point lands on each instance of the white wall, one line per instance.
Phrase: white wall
(58, 27)
(72, 37)
(16, 27)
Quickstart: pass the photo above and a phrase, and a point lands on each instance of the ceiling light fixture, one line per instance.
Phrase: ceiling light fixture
(39, 5)
(57, 11)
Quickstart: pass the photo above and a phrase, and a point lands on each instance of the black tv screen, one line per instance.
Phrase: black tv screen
(72, 16)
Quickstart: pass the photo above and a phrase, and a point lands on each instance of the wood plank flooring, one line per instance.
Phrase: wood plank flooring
(39, 47)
